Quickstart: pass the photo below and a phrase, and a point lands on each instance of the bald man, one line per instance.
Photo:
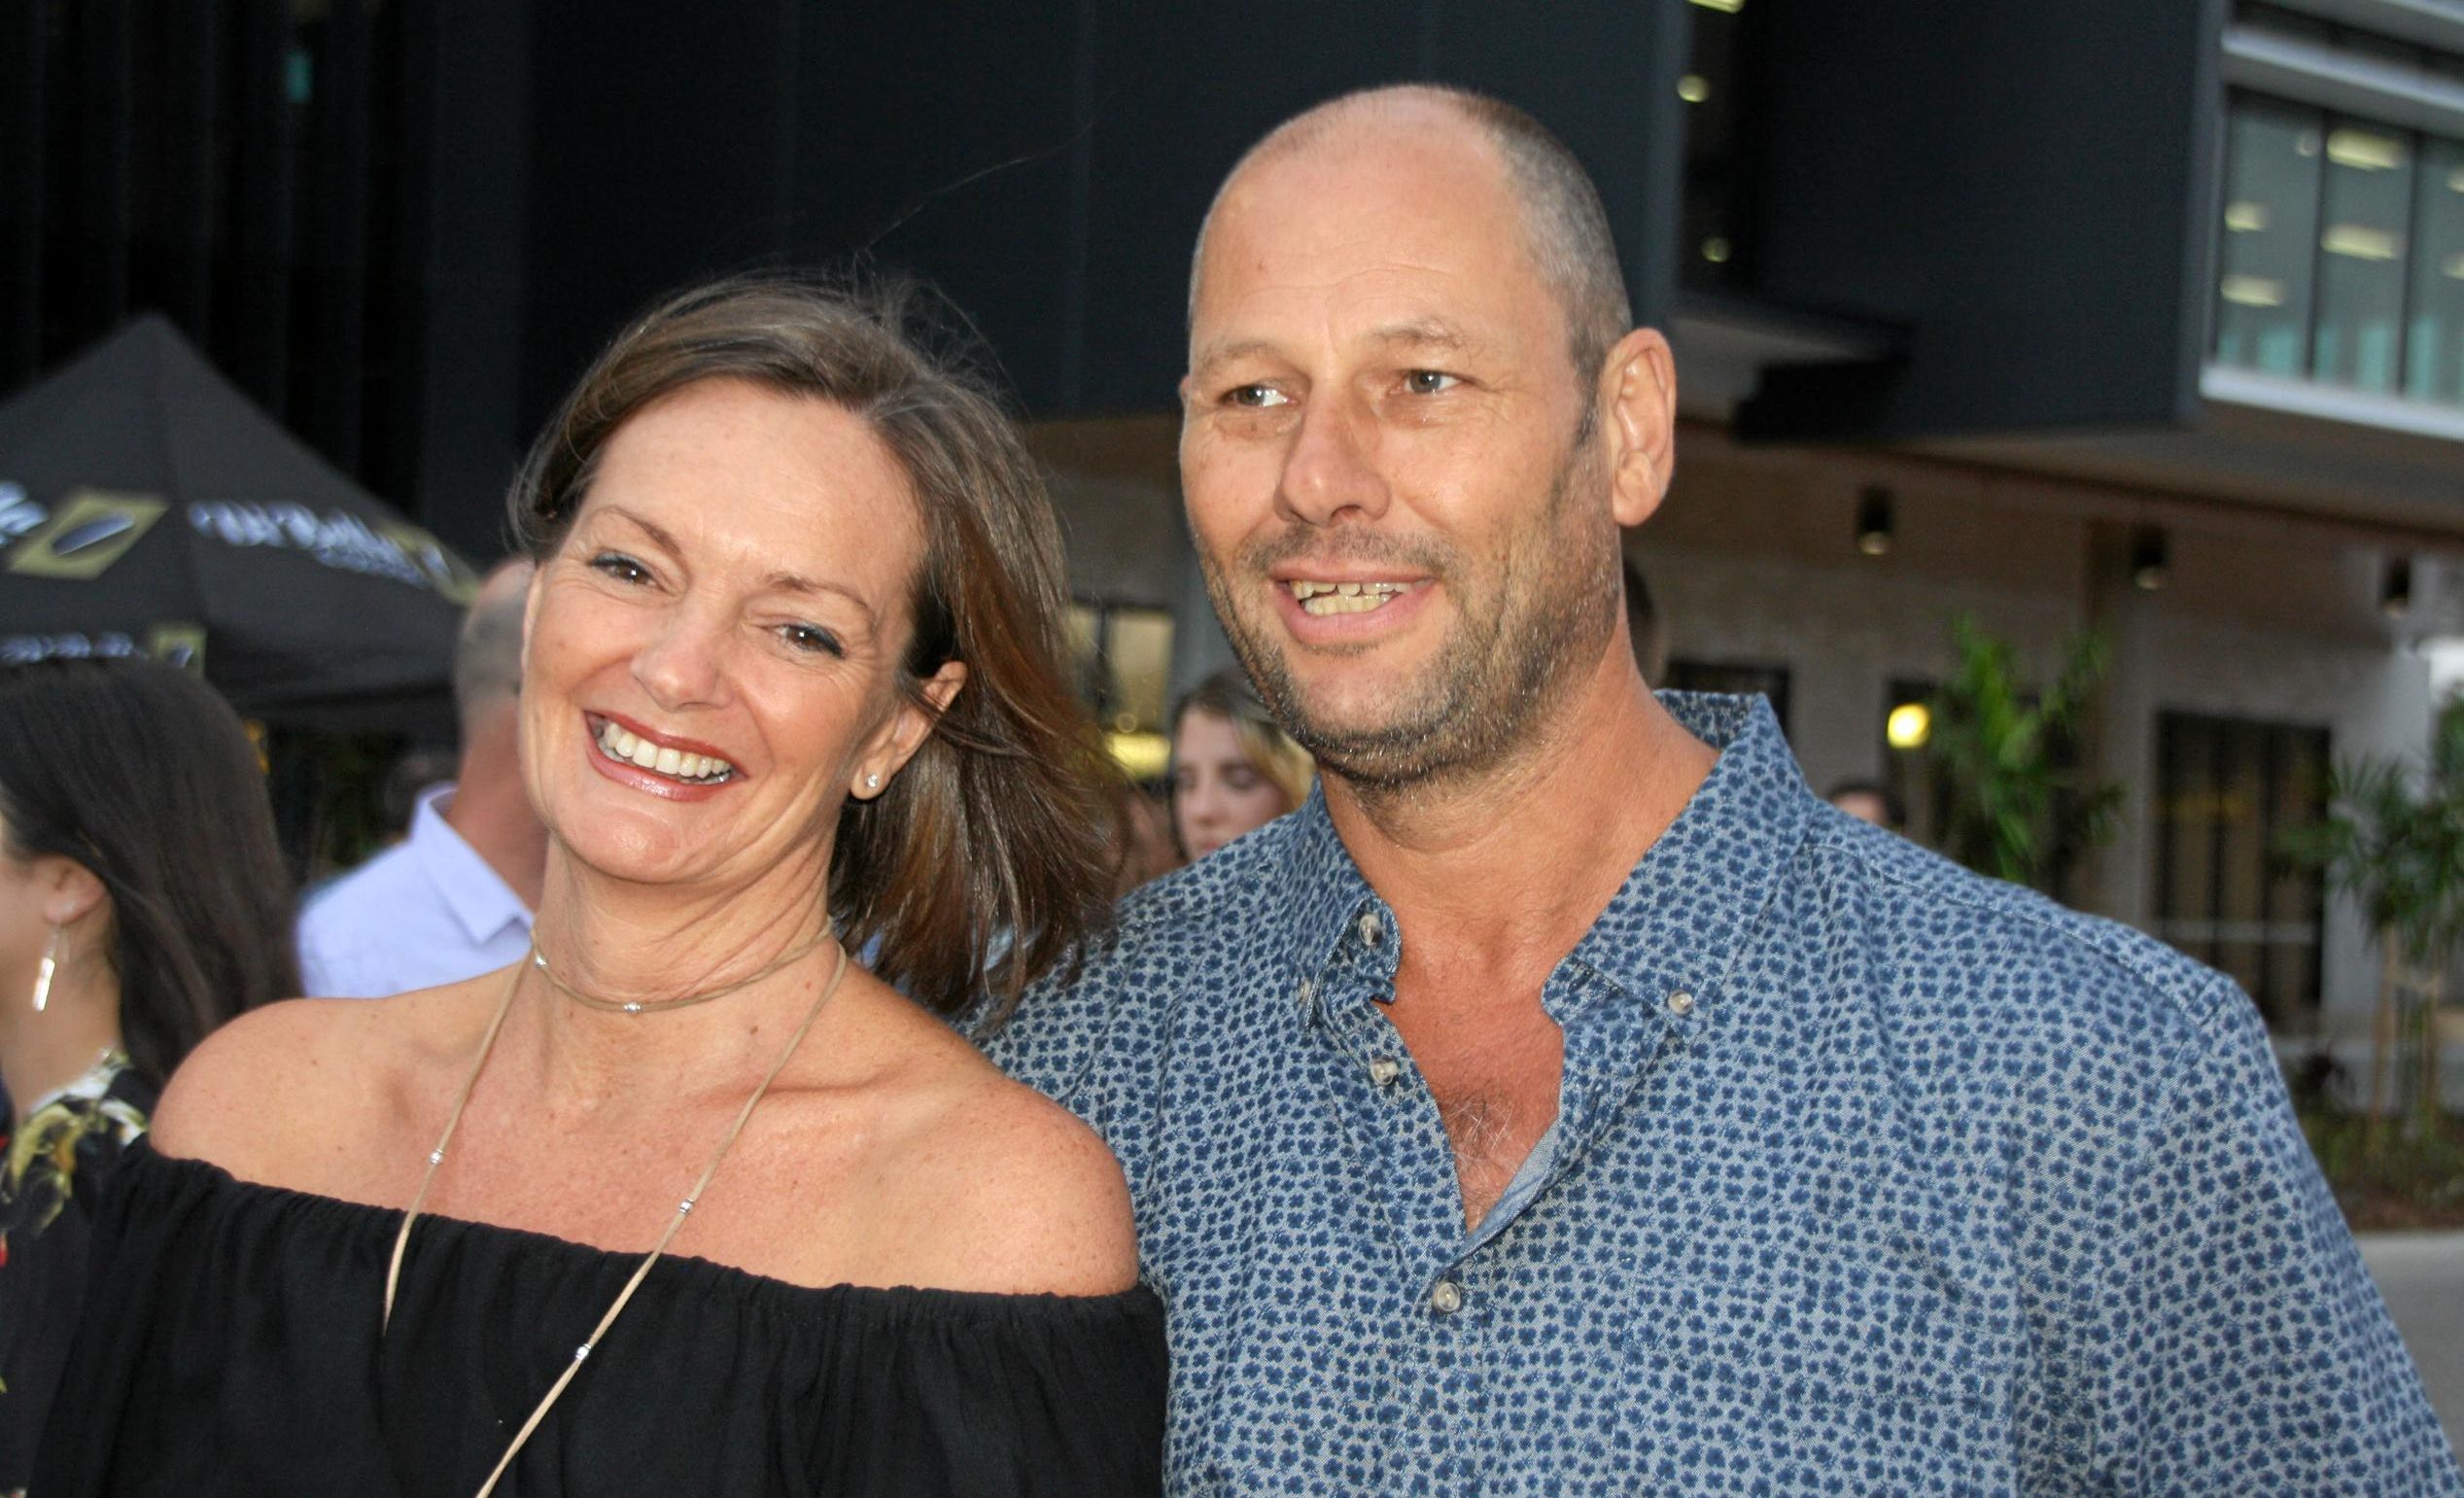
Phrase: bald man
(1566, 1101)
(454, 898)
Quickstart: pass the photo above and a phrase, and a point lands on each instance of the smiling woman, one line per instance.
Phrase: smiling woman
(791, 689)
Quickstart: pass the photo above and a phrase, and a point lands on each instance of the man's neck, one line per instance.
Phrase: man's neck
(491, 810)
(1519, 859)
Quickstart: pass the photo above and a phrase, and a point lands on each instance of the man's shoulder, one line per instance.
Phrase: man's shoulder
(1237, 899)
(1186, 939)
(2004, 953)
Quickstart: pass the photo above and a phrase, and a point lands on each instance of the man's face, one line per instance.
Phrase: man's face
(1407, 544)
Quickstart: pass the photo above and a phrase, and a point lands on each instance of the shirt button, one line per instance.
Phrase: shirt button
(1446, 1299)
(1384, 1070)
(1681, 1003)
(1369, 929)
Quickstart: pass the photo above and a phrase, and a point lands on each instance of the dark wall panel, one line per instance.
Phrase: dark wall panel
(1046, 164)
(2028, 189)
(656, 153)
(945, 138)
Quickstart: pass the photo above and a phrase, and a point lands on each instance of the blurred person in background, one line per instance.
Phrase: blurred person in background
(1870, 802)
(454, 898)
(1233, 769)
(1149, 847)
(142, 904)
(792, 689)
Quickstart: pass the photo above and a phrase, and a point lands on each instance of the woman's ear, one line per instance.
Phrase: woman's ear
(68, 891)
(896, 741)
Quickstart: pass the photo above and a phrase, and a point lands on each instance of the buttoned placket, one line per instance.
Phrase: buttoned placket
(1399, 1149)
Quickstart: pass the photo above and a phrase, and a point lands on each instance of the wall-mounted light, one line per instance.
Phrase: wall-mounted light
(2395, 588)
(2151, 559)
(1909, 726)
(1874, 521)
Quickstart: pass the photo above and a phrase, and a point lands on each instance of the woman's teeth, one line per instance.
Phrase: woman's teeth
(1325, 598)
(695, 769)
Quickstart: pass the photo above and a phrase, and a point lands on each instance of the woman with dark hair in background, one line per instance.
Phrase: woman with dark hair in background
(684, 1202)
(142, 904)
(1233, 768)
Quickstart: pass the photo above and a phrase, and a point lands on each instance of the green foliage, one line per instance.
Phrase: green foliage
(2394, 841)
(2416, 1180)
(2017, 808)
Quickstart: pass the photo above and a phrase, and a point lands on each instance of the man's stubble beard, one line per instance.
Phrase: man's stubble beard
(1494, 677)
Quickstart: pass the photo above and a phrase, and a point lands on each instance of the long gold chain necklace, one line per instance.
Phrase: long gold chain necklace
(683, 1208)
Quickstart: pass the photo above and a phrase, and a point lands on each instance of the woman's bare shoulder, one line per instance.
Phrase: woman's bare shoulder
(990, 1186)
(292, 1094)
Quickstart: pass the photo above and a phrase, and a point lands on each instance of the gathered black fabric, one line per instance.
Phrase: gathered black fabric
(231, 1347)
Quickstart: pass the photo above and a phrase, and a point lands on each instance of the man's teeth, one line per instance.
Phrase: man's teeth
(672, 763)
(1325, 598)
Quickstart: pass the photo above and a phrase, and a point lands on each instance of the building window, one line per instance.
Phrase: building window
(1737, 678)
(2434, 341)
(1120, 657)
(2225, 789)
(2271, 182)
(2363, 224)
(2342, 253)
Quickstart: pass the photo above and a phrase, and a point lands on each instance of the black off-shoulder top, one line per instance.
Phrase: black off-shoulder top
(231, 1348)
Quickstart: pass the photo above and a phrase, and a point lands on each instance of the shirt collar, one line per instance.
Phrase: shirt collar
(481, 899)
(1677, 922)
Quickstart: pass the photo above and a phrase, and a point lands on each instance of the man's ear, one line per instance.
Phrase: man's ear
(1636, 397)
(897, 739)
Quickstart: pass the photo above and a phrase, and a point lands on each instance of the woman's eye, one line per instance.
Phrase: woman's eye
(616, 565)
(811, 640)
(1430, 382)
(1257, 397)
(1241, 777)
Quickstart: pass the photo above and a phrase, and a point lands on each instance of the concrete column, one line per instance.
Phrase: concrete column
(2121, 734)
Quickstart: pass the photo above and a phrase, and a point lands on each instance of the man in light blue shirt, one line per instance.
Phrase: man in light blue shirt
(1565, 1100)
(454, 898)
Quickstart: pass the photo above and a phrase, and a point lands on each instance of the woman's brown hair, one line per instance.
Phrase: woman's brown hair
(988, 862)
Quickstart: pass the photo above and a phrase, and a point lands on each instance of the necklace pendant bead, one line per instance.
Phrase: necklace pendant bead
(436, 1156)
(581, 1352)
(684, 1207)
(633, 1008)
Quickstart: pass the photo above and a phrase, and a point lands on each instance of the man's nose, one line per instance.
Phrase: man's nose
(1331, 467)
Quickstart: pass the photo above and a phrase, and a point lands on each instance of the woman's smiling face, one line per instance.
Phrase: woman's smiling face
(713, 650)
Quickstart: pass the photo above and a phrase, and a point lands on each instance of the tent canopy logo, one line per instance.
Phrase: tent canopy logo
(17, 513)
(90, 531)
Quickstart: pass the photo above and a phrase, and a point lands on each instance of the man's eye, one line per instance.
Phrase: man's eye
(616, 565)
(1429, 382)
(1257, 397)
(812, 641)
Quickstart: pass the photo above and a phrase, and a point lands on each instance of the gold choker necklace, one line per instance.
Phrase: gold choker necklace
(538, 960)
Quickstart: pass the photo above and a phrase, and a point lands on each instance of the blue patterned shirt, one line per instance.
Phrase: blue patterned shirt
(1868, 1176)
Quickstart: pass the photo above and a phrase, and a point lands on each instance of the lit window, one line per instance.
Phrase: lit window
(2434, 329)
(2271, 199)
(2367, 206)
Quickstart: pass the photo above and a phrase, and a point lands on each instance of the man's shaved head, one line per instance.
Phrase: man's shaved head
(1565, 227)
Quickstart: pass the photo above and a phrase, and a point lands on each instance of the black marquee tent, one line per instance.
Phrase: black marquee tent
(147, 507)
